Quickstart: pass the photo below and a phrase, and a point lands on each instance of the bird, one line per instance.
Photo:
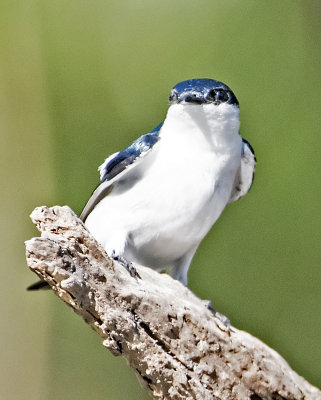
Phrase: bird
(159, 197)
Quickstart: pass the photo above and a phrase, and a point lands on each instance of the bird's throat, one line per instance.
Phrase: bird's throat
(217, 126)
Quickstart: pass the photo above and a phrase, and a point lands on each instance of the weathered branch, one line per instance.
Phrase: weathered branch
(180, 348)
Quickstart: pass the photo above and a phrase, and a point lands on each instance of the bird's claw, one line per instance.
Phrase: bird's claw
(126, 264)
(225, 323)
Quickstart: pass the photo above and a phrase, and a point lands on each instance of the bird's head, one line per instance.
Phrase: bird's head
(202, 91)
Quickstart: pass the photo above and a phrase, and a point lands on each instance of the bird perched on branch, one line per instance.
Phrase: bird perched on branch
(160, 196)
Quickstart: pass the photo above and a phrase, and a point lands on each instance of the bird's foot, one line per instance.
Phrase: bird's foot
(225, 323)
(208, 305)
(126, 264)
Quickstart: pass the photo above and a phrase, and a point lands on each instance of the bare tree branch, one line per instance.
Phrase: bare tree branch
(179, 348)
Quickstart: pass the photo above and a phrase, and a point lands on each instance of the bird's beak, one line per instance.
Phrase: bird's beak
(190, 98)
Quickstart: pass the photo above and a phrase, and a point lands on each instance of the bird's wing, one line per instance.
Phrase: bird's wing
(117, 165)
(245, 175)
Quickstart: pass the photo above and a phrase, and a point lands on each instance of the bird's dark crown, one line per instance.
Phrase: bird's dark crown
(202, 91)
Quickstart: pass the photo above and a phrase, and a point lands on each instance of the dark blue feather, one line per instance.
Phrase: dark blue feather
(244, 143)
(127, 156)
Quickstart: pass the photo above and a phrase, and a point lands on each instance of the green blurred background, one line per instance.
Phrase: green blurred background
(80, 80)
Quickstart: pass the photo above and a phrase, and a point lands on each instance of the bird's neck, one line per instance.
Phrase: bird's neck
(218, 126)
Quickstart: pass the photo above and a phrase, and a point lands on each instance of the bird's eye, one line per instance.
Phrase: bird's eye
(173, 97)
(217, 96)
(211, 96)
(221, 95)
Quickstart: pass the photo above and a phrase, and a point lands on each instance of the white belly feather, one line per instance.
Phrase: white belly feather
(181, 192)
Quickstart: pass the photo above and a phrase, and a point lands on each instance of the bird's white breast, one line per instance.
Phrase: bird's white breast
(184, 186)
(195, 168)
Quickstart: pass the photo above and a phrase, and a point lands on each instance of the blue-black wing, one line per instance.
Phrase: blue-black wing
(245, 176)
(118, 164)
